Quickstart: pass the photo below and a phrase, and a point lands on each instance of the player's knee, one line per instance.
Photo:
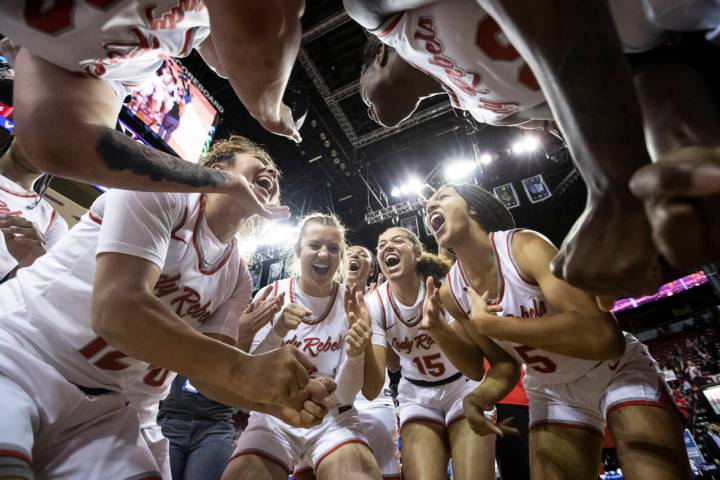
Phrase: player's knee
(246, 467)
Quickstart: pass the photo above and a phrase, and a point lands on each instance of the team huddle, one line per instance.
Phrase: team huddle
(96, 323)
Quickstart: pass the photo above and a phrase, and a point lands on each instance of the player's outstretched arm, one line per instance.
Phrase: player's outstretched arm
(576, 55)
(65, 125)
(126, 313)
(257, 42)
(580, 330)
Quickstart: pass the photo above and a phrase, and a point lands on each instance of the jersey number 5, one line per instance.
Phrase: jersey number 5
(428, 366)
(536, 362)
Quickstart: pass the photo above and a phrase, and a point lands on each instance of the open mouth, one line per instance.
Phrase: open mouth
(264, 185)
(321, 270)
(437, 221)
(354, 265)
(391, 260)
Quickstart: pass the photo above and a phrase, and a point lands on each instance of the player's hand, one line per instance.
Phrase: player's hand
(481, 313)
(609, 250)
(259, 312)
(310, 405)
(290, 318)
(24, 242)
(475, 405)
(275, 377)
(250, 196)
(360, 332)
(682, 197)
(281, 123)
(432, 316)
(380, 280)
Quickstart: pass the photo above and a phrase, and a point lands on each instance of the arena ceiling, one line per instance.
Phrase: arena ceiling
(348, 164)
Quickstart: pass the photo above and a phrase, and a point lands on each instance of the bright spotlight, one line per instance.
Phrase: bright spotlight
(486, 159)
(414, 186)
(527, 144)
(404, 189)
(275, 234)
(395, 192)
(459, 169)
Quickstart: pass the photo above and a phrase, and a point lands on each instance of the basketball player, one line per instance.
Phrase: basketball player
(432, 425)
(29, 224)
(314, 320)
(459, 44)
(80, 57)
(125, 297)
(581, 372)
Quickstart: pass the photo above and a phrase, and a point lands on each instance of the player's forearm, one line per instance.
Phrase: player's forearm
(568, 333)
(462, 353)
(257, 43)
(500, 379)
(577, 58)
(374, 374)
(350, 379)
(140, 326)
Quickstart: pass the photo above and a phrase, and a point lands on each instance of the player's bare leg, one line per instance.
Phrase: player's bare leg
(473, 456)
(682, 189)
(424, 451)
(353, 461)
(649, 442)
(561, 453)
(253, 467)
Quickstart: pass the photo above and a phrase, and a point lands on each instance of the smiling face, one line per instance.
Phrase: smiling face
(260, 174)
(396, 254)
(320, 252)
(448, 217)
(359, 265)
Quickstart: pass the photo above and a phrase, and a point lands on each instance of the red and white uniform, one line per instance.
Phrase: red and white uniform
(117, 40)
(563, 390)
(431, 388)
(322, 338)
(461, 45)
(15, 201)
(48, 347)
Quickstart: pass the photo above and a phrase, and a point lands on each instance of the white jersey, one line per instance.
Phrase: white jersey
(203, 281)
(397, 326)
(322, 335)
(520, 297)
(15, 201)
(122, 40)
(460, 44)
(685, 15)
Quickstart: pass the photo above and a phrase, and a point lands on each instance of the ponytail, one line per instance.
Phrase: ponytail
(431, 265)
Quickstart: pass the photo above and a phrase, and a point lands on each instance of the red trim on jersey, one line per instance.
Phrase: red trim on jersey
(508, 240)
(339, 445)
(456, 419)
(501, 293)
(93, 347)
(52, 219)
(412, 323)
(151, 477)
(178, 227)
(452, 292)
(16, 454)
(262, 454)
(390, 26)
(329, 308)
(635, 403)
(573, 425)
(382, 307)
(275, 288)
(94, 218)
(201, 258)
(186, 46)
(421, 420)
(21, 195)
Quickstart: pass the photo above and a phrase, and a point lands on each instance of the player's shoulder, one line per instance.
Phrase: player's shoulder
(522, 239)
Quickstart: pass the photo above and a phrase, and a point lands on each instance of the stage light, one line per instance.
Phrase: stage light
(527, 144)
(277, 234)
(459, 169)
(486, 159)
(395, 192)
(414, 185)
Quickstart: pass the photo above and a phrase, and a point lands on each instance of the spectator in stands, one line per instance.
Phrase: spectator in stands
(693, 372)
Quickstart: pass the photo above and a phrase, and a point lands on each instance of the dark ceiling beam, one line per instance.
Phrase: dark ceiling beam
(325, 26)
(347, 90)
(327, 95)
